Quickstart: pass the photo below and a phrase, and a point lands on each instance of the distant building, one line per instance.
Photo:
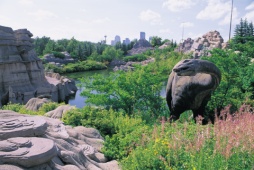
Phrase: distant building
(117, 39)
(142, 35)
(126, 41)
(112, 42)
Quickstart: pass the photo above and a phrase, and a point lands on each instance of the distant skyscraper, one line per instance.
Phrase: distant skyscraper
(117, 39)
(126, 41)
(112, 42)
(142, 35)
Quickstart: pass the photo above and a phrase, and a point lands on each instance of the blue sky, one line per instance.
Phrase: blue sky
(91, 20)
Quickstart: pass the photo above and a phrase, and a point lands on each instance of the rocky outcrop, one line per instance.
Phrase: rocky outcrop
(165, 45)
(21, 71)
(37, 142)
(200, 46)
(50, 58)
(129, 66)
(34, 104)
(185, 46)
(139, 47)
(59, 112)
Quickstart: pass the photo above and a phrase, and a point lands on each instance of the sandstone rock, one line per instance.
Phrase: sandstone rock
(27, 152)
(22, 73)
(35, 103)
(24, 127)
(75, 147)
(59, 111)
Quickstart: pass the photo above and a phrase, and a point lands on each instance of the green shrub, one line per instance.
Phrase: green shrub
(136, 57)
(21, 108)
(58, 55)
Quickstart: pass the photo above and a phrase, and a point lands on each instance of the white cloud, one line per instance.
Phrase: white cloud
(179, 5)
(250, 7)
(249, 16)
(101, 20)
(150, 16)
(226, 19)
(215, 9)
(186, 24)
(43, 14)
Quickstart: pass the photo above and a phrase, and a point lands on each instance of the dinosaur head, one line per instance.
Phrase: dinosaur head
(186, 67)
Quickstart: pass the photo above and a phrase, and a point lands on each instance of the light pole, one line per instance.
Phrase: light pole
(232, 4)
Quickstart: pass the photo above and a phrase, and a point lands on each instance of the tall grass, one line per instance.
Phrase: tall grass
(228, 144)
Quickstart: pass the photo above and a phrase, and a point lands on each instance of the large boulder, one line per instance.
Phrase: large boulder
(22, 73)
(37, 142)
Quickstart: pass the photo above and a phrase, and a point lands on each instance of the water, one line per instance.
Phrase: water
(80, 101)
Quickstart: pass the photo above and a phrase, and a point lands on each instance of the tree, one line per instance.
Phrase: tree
(50, 47)
(72, 46)
(40, 44)
(237, 79)
(244, 32)
(156, 41)
(130, 91)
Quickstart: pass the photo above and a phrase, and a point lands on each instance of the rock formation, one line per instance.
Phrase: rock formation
(185, 46)
(22, 73)
(139, 47)
(50, 58)
(129, 66)
(200, 46)
(190, 85)
(37, 142)
(59, 112)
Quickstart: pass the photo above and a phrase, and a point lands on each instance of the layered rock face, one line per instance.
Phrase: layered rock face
(37, 142)
(201, 45)
(21, 71)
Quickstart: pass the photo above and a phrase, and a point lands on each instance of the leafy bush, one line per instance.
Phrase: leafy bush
(87, 65)
(137, 57)
(58, 55)
(21, 108)
(121, 131)
(237, 80)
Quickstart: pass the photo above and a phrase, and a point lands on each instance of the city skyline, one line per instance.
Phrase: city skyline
(93, 20)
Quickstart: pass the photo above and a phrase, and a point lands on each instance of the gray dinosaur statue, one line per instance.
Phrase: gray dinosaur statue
(190, 85)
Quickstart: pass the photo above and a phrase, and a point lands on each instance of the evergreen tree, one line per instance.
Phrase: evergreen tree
(244, 32)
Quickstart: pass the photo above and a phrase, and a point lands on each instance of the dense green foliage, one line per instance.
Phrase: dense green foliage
(133, 91)
(237, 81)
(81, 50)
(156, 41)
(79, 66)
(22, 109)
(137, 57)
